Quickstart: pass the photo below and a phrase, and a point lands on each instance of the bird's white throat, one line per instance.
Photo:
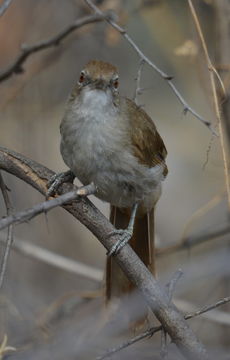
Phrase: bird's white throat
(96, 99)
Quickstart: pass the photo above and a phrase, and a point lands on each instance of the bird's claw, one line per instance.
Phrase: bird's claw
(58, 179)
(126, 235)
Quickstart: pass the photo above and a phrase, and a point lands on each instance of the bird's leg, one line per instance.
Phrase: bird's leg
(57, 179)
(126, 234)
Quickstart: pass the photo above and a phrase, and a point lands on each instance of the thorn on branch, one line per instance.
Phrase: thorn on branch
(111, 16)
(185, 111)
(168, 77)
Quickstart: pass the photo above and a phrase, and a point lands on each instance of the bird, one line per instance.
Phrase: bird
(110, 142)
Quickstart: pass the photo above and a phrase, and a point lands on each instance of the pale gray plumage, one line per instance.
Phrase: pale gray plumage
(96, 144)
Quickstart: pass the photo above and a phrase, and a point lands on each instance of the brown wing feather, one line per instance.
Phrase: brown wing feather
(148, 145)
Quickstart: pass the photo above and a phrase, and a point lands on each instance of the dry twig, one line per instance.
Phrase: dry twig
(138, 89)
(123, 32)
(213, 74)
(170, 290)
(9, 241)
(53, 259)
(156, 329)
(190, 241)
(4, 6)
(44, 207)
(26, 50)
(4, 348)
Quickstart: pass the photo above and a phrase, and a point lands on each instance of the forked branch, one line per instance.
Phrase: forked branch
(27, 50)
(143, 57)
(165, 311)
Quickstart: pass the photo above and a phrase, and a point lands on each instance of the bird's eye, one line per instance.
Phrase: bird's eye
(116, 84)
(81, 78)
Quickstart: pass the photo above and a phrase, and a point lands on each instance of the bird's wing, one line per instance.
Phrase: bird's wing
(148, 145)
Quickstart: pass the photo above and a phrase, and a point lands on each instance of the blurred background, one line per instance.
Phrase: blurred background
(48, 312)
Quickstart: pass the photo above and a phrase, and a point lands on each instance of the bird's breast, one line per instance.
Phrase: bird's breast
(96, 146)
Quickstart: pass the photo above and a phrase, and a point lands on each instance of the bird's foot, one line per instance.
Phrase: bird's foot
(58, 179)
(125, 234)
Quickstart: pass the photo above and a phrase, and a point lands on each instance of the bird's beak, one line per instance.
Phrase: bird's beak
(100, 84)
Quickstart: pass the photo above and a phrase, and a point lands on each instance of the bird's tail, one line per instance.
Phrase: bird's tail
(142, 242)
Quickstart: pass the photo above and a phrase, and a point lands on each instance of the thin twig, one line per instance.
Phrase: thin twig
(26, 50)
(4, 6)
(156, 329)
(53, 259)
(10, 238)
(168, 78)
(164, 350)
(44, 207)
(4, 348)
(138, 89)
(206, 308)
(216, 316)
(173, 282)
(170, 290)
(213, 74)
(203, 210)
(195, 240)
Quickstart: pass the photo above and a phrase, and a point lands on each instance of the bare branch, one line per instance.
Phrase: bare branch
(129, 342)
(168, 78)
(4, 6)
(213, 315)
(195, 240)
(53, 259)
(138, 81)
(156, 329)
(213, 73)
(170, 290)
(44, 207)
(26, 50)
(4, 348)
(173, 282)
(10, 238)
(165, 311)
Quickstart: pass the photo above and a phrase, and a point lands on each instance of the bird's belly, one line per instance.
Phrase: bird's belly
(98, 157)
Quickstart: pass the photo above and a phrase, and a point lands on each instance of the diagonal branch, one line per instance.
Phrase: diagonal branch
(4, 6)
(150, 332)
(165, 311)
(43, 207)
(26, 50)
(168, 78)
(10, 231)
(53, 259)
(213, 74)
(190, 241)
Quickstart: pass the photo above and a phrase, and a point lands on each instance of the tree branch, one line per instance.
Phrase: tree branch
(51, 258)
(4, 6)
(156, 329)
(26, 50)
(195, 240)
(213, 74)
(168, 78)
(10, 231)
(165, 311)
(44, 207)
